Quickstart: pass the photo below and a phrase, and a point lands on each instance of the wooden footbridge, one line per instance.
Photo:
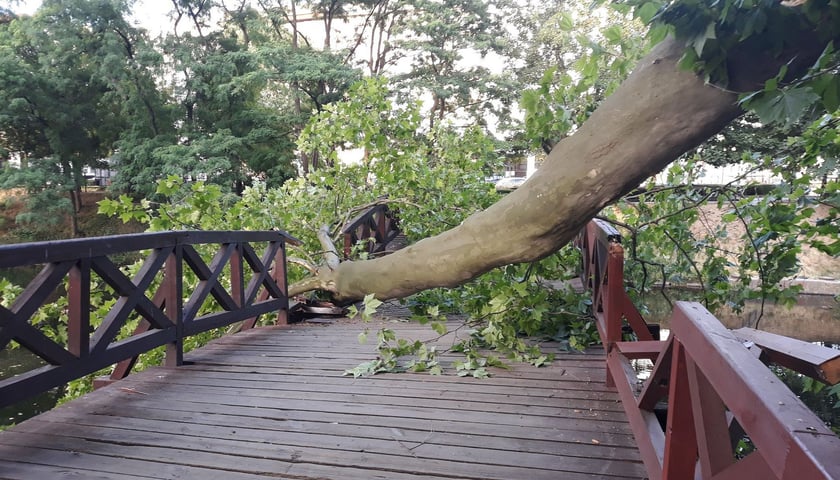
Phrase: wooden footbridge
(273, 401)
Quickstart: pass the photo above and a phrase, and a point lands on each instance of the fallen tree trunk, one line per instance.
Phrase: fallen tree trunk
(656, 115)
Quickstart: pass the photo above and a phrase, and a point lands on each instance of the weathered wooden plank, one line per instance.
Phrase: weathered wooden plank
(312, 433)
(341, 350)
(274, 403)
(370, 386)
(564, 379)
(339, 360)
(498, 378)
(113, 467)
(11, 470)
(138, 406)
(465, 406)
(384, 441)
(495, 385)
(815, 361)
(583, 421)
(249, 457)
(591, 375)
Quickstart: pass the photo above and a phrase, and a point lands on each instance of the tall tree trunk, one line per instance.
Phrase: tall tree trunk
(76, 198)
(304, 157)
(657, 114)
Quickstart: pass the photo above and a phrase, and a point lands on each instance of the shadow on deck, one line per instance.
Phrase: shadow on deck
(273, 403)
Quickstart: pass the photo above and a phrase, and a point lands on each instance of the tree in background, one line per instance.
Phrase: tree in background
(659, 112)
(576, 56)
(450, 45)
(70, 82)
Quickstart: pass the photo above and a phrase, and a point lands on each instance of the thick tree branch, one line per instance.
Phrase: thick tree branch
(303, 263)
(657, 114)
(330, 253)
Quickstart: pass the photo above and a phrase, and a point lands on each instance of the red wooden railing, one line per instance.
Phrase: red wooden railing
(712, 383)
(154, 299)
(376, 226)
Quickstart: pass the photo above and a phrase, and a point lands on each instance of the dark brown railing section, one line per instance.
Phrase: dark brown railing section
(712, 384)
(154, 298)
(376, 226)
(603, 275)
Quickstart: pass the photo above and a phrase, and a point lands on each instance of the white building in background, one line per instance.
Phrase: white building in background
(727, 173)
(99, 177)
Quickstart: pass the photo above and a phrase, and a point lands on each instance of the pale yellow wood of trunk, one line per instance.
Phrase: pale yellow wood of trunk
(658, 113)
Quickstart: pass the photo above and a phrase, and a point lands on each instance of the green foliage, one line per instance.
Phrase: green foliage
(671, 242)
(392, 350)
(591, 58)
(438, 37)
(370, 304)
(511, 303)
(46, 196)
(822, 400)
(667, 243)
(434, 180)
(62, 102)
(714, 31)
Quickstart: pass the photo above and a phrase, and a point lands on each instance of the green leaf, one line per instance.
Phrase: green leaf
(647, 11)
(658, 33)
(783, 106)
(371, 302)
(363, 337)
(828, 87)
(363, 369)
(566, 22)
(540, 361)
(613, 34)
(699, 40)
(439, 328)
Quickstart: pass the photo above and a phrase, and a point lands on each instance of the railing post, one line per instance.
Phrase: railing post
(381, 225)
(715, 453)
(282, 282)
(348, 245)
(78, 305)
(237, 277)
(680, 437)
(366, 235)
(615, 289)
(173, 286)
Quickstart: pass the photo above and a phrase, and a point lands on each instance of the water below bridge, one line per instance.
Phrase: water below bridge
(815, 318)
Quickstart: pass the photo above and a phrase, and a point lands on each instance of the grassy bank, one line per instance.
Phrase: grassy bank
(91, 224)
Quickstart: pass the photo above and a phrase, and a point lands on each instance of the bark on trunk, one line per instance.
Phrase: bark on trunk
(657, 114)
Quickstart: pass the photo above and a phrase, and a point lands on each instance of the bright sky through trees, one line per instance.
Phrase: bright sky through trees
(149, 14)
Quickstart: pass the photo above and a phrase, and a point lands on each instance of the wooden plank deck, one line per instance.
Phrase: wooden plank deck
(273, 403)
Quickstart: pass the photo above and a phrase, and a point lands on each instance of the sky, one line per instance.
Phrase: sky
(149, 14)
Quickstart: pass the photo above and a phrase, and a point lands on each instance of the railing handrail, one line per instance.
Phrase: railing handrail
(154, 296)
(33, 253)
(715, 386)
(603, 274)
